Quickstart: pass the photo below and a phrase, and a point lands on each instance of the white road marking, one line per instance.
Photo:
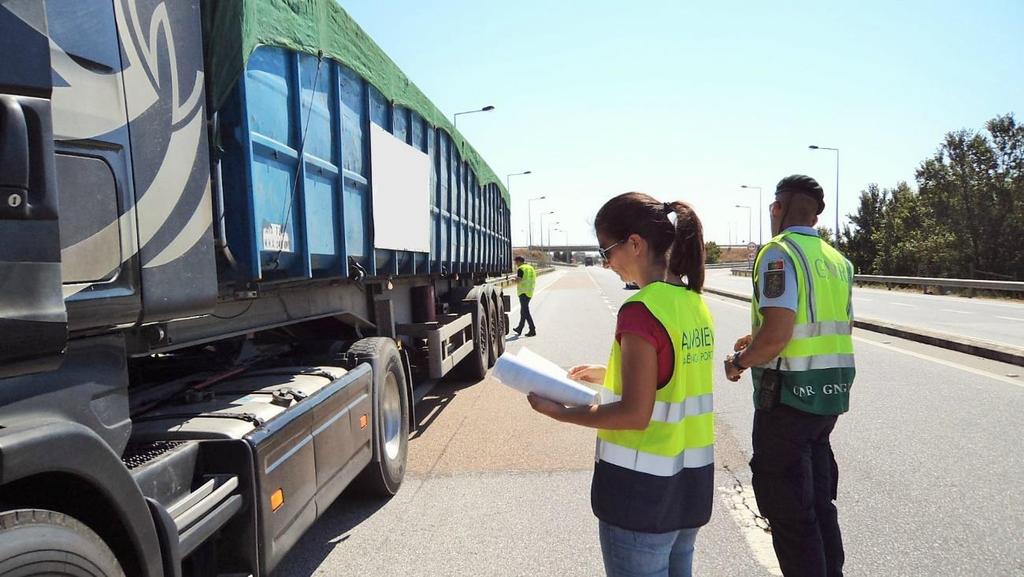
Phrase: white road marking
(1010, 318)
(740, 502)
(955, 311)
(951, 364)
(986, 374)
(901, 305)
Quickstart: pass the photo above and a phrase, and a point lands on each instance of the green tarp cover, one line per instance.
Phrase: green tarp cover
(233, 29)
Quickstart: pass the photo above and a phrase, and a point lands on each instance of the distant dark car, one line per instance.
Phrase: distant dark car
(632, 286)
(589, 261)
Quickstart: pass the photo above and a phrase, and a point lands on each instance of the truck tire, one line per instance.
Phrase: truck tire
(496, 333)
(474, 366)
(499, 306)
(41, 542)
(383, 476)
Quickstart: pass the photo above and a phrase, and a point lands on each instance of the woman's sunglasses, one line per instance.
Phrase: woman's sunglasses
(607, 250)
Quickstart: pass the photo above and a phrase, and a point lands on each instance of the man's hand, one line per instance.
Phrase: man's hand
(588, 373)
(544, 406)
(742, 343)
(731, 372)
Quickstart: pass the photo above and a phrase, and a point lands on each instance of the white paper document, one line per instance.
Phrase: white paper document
(528, 372)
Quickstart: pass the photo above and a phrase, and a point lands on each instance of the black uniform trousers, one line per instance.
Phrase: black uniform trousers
(795, 478)
(524, 314)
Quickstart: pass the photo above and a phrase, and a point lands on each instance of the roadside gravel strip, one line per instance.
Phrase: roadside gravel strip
(977, 347)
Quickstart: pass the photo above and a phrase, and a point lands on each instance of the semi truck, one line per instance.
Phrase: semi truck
(237, 244)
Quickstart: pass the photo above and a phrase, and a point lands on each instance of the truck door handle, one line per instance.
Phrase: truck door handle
(14, 163)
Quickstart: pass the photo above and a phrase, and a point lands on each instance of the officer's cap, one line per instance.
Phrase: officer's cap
(802, 184)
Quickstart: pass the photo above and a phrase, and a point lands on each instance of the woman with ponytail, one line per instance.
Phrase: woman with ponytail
(654, 473)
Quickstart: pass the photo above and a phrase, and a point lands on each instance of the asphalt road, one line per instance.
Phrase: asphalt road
(994, 320)
(929, 483)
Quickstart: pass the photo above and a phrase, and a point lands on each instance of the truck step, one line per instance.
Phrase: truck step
(205, 510)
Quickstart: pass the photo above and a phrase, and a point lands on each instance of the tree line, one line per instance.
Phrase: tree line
(965, 220)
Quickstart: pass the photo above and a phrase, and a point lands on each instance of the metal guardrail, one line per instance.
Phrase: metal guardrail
(718, 265)
(971, 284)
(989, 285)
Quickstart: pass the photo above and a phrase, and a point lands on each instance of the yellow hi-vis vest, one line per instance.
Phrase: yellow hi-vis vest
(529, 280)
(681, 433)
(817, 364)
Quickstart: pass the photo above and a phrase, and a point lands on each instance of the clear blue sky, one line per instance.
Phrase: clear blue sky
(689, 100)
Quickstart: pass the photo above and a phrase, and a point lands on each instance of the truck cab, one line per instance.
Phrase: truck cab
(230, 268)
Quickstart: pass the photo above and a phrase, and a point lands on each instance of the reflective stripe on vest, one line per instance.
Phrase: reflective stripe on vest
(814, 362)
(810, 330)
(817, 363)
(655, 464)
(529, 280)
(671, 412)
(681, 431)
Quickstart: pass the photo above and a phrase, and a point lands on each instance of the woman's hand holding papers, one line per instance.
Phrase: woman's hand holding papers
(588, 373)
(545, 406)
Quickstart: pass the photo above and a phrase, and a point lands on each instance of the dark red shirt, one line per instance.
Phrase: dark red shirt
(634, 318)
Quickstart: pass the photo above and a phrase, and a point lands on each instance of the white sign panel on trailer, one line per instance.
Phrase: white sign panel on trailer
(401, 193)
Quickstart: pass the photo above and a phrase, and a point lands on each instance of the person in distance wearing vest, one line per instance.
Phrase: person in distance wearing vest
(801, 355)
(525, 284)
(654, 476)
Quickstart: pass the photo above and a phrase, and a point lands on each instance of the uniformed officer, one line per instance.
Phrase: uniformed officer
(801, 352)
(526, 282)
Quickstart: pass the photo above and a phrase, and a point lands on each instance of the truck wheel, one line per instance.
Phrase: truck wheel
(41, 542)
(502, 315)
(496, 334)
(474, 366)
(383, 476)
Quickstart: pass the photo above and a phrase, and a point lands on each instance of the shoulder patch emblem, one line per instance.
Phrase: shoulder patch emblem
(774, 283)
(777, 265)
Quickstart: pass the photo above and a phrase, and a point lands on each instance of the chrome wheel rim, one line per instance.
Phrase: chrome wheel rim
(391, 416)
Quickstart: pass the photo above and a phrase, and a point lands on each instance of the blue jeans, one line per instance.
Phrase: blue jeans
(634, 554)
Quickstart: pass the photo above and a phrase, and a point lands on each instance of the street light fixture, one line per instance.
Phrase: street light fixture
(455, 117)
(836, 150)
(508, 177)
(529, 217)
(750, 230)
(760, 213)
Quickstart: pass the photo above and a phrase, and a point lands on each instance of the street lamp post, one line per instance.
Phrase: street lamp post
(508, 189)
(836, 150)
(760, 217)
(542, 215)
(551, 224)
(529, 217)
(750, 230)
(455, 117)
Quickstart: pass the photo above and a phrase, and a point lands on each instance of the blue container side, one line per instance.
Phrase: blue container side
(298, 179)
(355, 165)
(444, 260)
(270, 100)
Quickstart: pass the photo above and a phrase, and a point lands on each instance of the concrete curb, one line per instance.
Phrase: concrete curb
(976, 347)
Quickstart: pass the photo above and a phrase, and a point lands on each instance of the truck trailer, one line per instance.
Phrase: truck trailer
(237, 244)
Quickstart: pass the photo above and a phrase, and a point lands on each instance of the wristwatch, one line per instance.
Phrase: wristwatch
(736, 362)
